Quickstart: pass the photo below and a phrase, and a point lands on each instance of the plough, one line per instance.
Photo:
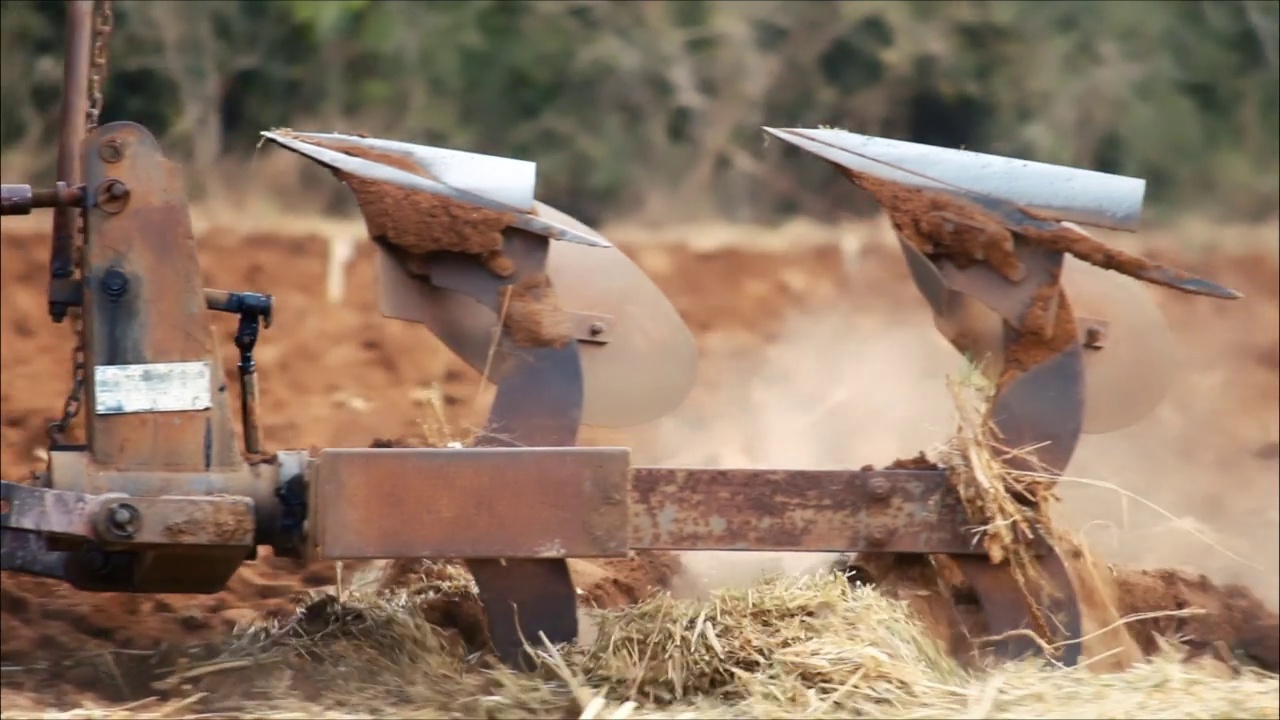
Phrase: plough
(164, 497)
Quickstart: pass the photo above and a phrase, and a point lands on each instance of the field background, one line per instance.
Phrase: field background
(644, 119)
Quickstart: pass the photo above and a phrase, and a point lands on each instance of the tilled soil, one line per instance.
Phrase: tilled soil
(341, 375)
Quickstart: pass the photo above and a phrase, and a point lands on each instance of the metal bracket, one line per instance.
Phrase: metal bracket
(483, 503)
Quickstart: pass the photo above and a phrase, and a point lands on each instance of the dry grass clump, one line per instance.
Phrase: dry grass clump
(792, 640)
(791, 647)
(1011, 507)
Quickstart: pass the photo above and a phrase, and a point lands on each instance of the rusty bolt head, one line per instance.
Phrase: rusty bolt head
(597, 328)
(111, 151)
(112, 196)
(878, 488)
(879, 535)
(123, 519)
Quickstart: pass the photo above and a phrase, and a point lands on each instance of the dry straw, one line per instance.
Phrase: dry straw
(978, 466)
(792, 647)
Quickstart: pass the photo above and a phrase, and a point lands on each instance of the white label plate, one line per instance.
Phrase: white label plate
(151, 387)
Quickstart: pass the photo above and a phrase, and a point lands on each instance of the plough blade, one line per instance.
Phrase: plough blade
(1026, 198)
(490, 182)
(1130, 359)
(638, 356)
(1050, 191)
(985, 238)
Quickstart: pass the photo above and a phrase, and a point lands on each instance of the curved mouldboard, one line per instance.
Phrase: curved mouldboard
(644, 369)
(1126, 377)
(641, 363)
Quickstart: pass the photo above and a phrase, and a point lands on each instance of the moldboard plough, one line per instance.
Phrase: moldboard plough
(164, 497)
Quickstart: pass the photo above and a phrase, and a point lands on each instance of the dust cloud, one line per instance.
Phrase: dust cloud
(839, 390)
(834, 391)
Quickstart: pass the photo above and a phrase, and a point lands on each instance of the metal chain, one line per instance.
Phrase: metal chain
(104, 22)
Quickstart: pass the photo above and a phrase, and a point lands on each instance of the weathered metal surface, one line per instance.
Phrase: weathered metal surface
(1011, 627)
(482, 503)
(152, 387)
(22, 199)
(639, 366)
(1062, 193)
(75, 472)
(908, 511)
(117, 519)
(1009, 300)
(49, 511)
(1128, 376)
(16, 199)
(117, 543)
(1041, 412)
(649, 364)
(143, 303)
(539, 403)
(509, 181)
(26, 552)
(521, 218)
(591, 327)
(75, 105)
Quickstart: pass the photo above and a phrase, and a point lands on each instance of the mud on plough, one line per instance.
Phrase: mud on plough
(165, 498)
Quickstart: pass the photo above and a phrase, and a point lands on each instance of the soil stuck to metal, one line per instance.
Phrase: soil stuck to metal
(419, 222)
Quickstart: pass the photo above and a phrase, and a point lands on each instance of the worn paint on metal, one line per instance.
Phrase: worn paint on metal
(471, 503)
(797, 510)
(144, 303)
(152, 387)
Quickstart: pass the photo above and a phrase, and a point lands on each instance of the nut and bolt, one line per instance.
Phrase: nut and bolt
(123, 519)
(111, 151)
(879, 536)
(878, 488)
(1095, 337)
(115, 283)
(112, 196)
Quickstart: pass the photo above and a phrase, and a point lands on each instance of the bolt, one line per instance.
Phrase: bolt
(111, 151)
(115, 283)
(879, 535)
(97, 561)
(1095, 337)
(123, 519)
(111, 196)
(597, 328)
(878, 488)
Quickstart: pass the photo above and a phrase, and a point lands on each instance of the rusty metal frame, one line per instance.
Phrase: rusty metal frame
(563, 502)
(164, 497)
(514, 508)
(590, 502)
(73, 119)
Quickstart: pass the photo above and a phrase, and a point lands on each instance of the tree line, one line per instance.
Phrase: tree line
(653, 109)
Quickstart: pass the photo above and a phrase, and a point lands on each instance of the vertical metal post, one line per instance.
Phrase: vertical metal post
(75, 105)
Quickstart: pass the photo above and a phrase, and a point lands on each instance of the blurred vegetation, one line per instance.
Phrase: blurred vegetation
(654, 108)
